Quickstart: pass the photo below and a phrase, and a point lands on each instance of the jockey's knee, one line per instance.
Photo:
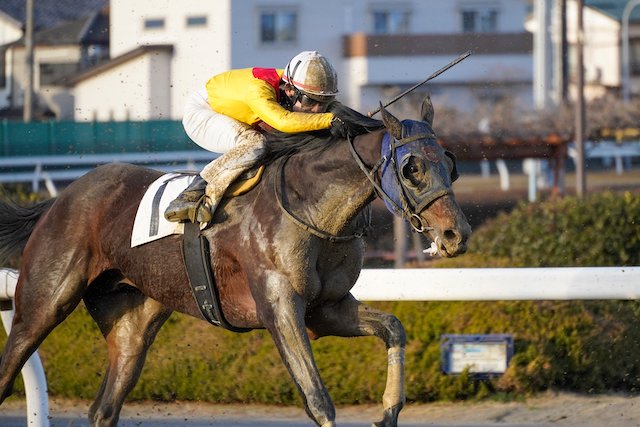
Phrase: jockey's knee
(254, 141)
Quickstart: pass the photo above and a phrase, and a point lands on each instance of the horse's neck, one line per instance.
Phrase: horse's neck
(331, 188)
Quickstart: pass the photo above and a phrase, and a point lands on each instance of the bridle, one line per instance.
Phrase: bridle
(373, 175)
(405, 209)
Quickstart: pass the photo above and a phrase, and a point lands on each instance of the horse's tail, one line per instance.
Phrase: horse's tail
(16, 225)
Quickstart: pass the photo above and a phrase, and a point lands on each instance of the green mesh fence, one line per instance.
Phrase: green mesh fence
(66, 137)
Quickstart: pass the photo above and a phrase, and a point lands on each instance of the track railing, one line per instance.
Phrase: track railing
(35, 381)
(447, 284)
(52, 169)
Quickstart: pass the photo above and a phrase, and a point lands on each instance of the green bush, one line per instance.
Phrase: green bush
(582, 346)
(602, 230)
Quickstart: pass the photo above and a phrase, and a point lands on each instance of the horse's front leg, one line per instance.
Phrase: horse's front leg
(283, 314)
(350, 318)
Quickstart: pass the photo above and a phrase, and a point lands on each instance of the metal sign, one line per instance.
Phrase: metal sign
(482, 355)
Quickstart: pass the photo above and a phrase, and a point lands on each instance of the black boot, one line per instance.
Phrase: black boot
(189, 205)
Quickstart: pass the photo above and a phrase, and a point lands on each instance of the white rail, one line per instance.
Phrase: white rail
(498, 284)
(49, 169)
(467, 284)
(35, 381)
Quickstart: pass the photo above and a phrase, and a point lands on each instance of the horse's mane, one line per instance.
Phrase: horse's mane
(284, 144)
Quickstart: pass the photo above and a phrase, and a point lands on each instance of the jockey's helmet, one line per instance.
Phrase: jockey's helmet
(313, 75)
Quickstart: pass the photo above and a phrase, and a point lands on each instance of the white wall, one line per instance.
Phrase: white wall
(9, 32)
(199, 52)
(601, 45)
(124, 92)
(9, 29)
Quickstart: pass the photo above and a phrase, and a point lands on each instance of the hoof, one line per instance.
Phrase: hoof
(390, 417)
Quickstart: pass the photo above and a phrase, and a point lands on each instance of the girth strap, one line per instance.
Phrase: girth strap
(195, 253)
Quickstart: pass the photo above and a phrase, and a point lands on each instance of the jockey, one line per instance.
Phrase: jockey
(231, 114)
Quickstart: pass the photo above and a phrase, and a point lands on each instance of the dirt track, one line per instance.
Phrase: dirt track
(546, 410)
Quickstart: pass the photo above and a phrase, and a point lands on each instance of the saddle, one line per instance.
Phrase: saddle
(151, 225)
(245, 182)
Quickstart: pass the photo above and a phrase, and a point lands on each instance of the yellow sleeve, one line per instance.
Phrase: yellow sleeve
(263, 103)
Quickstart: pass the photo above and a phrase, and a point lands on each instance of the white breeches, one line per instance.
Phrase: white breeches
(241, 145)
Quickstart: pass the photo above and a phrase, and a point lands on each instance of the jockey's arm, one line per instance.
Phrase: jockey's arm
(264, 105)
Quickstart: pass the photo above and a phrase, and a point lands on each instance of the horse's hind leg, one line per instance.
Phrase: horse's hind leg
(350, 318)
(39, 308)
(129, 322)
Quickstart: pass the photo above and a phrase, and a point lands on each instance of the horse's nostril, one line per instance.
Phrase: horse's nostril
(450, 234)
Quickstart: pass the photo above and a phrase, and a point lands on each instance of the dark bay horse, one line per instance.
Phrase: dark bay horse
(290, 273)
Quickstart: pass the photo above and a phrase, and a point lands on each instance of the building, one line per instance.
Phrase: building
(602, 45)
(378, 48)
(161, 50)
(69, 36)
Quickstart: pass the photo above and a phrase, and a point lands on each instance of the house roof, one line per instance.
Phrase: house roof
(613, 8)
(50, 13)
(90, 29)
(114, 62)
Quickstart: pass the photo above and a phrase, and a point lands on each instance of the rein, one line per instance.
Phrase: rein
(311, 229)
(413, 218)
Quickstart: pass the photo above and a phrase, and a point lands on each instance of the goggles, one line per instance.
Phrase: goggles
(307, 102)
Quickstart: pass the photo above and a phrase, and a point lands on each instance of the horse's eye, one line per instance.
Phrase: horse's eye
(413, 170)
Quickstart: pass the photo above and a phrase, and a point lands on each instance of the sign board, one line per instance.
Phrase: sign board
(482, 355)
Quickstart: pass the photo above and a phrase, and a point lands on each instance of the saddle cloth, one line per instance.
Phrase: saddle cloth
(150, 223)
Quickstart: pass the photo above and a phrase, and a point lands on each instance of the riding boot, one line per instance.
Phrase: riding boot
(190, 204)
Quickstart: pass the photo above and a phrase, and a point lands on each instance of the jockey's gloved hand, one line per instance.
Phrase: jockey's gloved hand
(338, 128)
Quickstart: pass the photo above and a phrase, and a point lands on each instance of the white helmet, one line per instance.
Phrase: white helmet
(313, 75)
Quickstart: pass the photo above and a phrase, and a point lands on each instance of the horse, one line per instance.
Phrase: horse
(284, 255)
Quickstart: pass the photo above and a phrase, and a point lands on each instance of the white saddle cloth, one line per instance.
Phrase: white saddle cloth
(150, 223)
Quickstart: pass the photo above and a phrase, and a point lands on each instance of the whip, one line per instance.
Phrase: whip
(432, 76)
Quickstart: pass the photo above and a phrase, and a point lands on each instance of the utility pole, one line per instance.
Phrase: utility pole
(564, 53)
(626, 14)
(28, 47)
(581, 181)
(543, 58)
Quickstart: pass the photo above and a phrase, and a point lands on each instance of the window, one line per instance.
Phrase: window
(54, 73)
(278, 26)
(92, 55)
(3, 77)
(196, 21)
(479, 19)
(390, 21)
(153, 23)
(634, 57)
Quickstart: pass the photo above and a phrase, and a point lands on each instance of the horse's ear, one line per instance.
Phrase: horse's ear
(454, 168)
(426, 111)
(391, 123)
